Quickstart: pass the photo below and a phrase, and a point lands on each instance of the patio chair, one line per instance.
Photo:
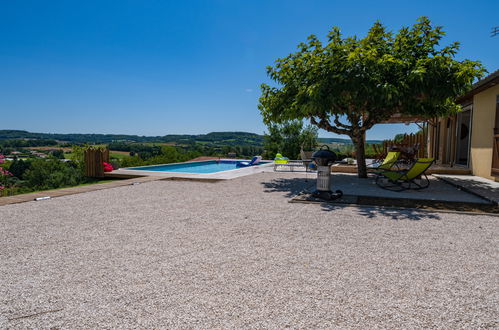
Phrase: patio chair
(254, 161)
(411, 178)
(306, 157)
(387, 164)
(280, 161)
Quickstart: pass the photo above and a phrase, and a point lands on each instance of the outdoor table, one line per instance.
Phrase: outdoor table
(291, 164)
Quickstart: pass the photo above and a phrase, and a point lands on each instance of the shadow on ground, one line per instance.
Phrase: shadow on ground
(294, 186)
(291, 187)
(392, 213)
(486, 190)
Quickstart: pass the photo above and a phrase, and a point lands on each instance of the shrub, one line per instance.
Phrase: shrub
(7, 180)
(58, 153)
(18, 167)
(52, 173)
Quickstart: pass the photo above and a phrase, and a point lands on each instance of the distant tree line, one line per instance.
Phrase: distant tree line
(19, 143)
(221, 138)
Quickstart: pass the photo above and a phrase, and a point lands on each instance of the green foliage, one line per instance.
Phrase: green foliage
(18, 167)
(78, 153)
(16, 143)
(220, 138)
(7, 180)
(309, 138)
(399, 138)
(288, 139)
(58, 153)
(349, 84)
(52, 173)
(131, 161)
(41, 174)
(157, 152)
(161, 155)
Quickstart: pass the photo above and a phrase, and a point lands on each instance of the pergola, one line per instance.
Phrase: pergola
(403, 119)
(422, 122)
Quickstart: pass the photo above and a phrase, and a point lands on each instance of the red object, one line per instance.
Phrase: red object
(107, 167)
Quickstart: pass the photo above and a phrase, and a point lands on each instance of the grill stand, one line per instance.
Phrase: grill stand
(323, 190)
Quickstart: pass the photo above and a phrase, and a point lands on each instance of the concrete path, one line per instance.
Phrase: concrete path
(437, 191)
(237, 254)
(479, 186)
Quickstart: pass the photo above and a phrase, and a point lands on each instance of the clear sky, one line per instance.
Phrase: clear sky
(167, 67)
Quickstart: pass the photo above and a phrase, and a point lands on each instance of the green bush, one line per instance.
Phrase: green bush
(51, 174)
(58, 153)
(18, 167)
(163, 155)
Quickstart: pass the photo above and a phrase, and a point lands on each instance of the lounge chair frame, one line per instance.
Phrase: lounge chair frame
(391, 159)
(412, 178)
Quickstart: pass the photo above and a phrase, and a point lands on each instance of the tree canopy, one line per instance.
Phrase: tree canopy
(347, 85)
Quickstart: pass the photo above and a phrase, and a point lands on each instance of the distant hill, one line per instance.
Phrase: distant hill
(223, 138)
(214, 138)
(346, 141)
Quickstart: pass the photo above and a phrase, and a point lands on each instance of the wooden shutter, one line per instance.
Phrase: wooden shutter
(495, 151)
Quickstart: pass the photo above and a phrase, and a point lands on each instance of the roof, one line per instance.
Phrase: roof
(398, 118)
(481, 85)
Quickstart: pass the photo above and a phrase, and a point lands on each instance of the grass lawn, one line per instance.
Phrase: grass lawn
(118, 155)
(69, 155)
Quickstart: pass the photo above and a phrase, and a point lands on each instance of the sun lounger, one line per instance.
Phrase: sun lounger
(387, 164)
(411, 178)
(254, 161)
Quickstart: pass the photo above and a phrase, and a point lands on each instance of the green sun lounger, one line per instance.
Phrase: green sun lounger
(279, 159)
(389, 161)
(412, 178)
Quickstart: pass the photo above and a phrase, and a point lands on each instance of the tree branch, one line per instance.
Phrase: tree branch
(368, 122)
(340, 124)
(325, 125)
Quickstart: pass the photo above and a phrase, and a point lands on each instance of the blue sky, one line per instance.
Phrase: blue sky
(168, 67)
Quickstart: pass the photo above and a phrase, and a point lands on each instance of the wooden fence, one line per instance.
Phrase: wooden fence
(94, 157)
(417, 140)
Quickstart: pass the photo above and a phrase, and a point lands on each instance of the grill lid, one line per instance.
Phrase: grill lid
(324, 156)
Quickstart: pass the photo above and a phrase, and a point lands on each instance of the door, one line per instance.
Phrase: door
(495, 151)
(463, 134)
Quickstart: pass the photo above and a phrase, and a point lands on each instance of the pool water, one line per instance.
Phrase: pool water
(210, 166)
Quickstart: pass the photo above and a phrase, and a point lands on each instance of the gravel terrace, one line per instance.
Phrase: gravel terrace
(236, 254)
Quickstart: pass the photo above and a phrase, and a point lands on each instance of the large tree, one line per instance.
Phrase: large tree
(347, 85)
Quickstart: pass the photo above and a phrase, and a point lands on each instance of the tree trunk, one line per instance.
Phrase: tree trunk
(360, 152)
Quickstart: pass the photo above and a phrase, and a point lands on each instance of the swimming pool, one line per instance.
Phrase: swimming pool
(209, 166)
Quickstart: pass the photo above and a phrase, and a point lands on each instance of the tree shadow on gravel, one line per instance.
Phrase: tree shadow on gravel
(291, 187)
(294, 186)
(372, 212)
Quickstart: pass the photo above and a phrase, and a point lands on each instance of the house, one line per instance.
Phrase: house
(470, 139)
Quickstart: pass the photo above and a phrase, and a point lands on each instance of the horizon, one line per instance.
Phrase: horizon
(139, 135)
(154, 69)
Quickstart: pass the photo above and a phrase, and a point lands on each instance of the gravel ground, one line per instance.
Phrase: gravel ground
(236, 254)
